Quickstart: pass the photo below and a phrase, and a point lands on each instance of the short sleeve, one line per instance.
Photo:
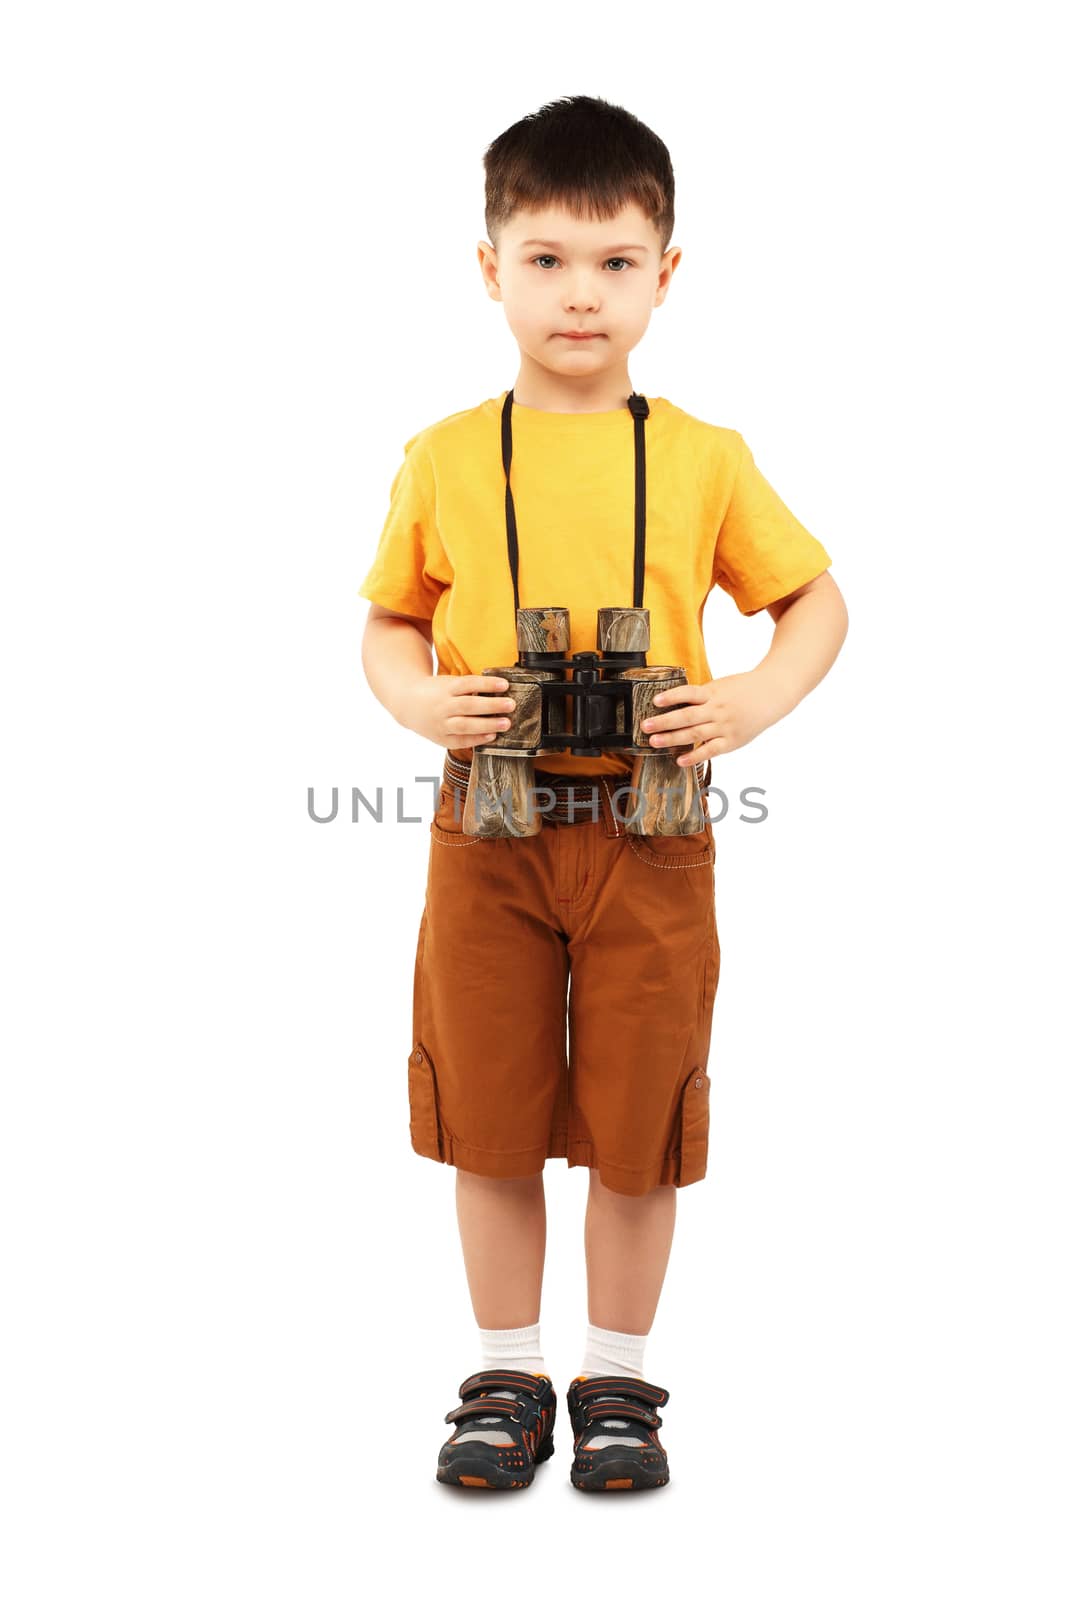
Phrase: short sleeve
(762, 552)
(409, 571)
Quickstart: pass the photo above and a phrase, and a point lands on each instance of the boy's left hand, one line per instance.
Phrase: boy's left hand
(714, 717)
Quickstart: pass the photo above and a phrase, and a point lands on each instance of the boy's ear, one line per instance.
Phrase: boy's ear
(488, 263)
(668, 266)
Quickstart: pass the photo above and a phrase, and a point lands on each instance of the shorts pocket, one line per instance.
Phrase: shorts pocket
(422, 1095)
(674, 850)
(695, 1127)
(446, 825)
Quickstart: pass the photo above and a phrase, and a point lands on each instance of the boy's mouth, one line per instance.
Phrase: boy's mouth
(581, 335)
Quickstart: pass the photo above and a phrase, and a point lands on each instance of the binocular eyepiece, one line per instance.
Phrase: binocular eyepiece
(600, 706)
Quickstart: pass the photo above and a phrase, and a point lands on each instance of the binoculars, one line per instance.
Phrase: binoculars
(600, 707)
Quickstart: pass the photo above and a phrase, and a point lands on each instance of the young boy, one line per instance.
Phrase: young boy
(571, 491)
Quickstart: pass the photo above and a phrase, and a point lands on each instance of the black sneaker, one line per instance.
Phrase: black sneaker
(504, 1429)
(616, 1443)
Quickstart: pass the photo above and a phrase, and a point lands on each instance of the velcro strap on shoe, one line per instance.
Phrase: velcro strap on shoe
(594, 1409)
(490, 1406)
(606, 1396)
(504, 1378)
(633, 1388)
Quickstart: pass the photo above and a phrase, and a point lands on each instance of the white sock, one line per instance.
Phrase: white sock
(505, 1347)
(513, 1347)
(617, 1355)
(614, 1355)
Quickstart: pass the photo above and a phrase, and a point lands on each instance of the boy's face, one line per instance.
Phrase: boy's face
(556, 273)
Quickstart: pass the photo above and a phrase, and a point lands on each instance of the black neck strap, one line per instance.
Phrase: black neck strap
(639, 410)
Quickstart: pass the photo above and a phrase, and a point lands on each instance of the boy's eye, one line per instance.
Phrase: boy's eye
(625, 261)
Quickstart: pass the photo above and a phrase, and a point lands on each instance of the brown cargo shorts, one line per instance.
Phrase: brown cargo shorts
(507, 1069)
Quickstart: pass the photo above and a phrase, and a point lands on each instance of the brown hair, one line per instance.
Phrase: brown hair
(585, 154)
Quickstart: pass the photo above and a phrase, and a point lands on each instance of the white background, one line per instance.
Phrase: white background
(240, 267)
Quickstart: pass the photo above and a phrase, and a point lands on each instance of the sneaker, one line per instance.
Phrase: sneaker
(503, 1430)
(616, 1441)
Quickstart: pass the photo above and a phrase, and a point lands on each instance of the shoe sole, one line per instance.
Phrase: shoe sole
(620, 1472)
(476, 1467)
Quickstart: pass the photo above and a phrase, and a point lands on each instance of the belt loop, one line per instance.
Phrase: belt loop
(611, 821)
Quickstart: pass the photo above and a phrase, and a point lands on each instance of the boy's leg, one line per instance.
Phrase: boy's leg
(627, 1246)
(502, 1231)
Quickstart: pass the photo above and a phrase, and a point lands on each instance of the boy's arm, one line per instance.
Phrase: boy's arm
(397, 654)
(411, 567)
(710, 719)
(766, 560)
(460, 710)
(809, 629)
(424, 624)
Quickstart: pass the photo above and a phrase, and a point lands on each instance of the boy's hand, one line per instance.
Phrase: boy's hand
(458, 711)
(715, 717)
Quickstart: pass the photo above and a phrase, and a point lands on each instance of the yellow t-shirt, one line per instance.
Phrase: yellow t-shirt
(711, 518)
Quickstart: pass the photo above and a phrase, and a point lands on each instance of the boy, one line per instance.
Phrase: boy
(545, 480)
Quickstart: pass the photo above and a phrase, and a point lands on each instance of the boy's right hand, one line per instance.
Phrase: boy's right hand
(459, 710)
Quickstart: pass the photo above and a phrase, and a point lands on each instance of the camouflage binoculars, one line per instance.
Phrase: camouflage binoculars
(600, 707)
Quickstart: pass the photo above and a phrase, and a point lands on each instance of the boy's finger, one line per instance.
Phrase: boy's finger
(474, 724)
(486, 703)
(474, 683)
(682, 718)
(478, 680)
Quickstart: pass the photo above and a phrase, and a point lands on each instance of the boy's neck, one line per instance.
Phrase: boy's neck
(543, 390)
